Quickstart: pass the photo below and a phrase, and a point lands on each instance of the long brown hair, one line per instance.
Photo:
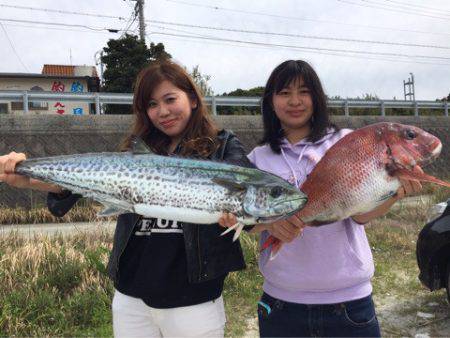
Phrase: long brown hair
(200, 135)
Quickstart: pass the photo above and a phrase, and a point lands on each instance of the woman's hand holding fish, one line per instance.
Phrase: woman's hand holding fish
(287, 230)
(227, 220)
(7, 166)
(407, 188)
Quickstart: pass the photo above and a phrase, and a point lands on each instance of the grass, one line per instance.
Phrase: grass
(57, 285)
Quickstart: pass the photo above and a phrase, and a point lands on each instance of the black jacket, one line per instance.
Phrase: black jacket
(208, 255)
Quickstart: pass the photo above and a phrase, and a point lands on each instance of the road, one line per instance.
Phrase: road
(55, 228)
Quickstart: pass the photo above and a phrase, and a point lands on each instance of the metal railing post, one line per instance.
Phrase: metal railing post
(347, 113)
(416, 108)
(214, 106)
(97, 104)
(25, 102)
(383, 112)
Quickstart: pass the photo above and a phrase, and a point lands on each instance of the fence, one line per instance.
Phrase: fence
(214, 101)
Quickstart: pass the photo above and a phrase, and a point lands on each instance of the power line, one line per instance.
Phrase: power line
(111, 30)
(299, 35)
(233, 10)
(130, 22)
(63, 12)
(318, 48)
(303, 19)
(269, 46)
(417, 7)
(248, 42)
(53, 28)
(13, 48)
(393, 10)
(406, 9)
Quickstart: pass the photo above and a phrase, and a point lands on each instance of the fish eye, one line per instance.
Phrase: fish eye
(410, 134)
(276, 192)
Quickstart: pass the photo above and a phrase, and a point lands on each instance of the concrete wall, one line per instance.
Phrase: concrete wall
(67, 85)
(55, 135)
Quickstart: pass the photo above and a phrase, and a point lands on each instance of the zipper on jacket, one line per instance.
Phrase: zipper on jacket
(199, 255)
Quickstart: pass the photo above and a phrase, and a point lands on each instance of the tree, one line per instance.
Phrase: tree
(201, 80)
(256, 91)
(124, 58)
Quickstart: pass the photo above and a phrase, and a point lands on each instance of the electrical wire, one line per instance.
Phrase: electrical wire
(391, 29)
(59, 29)
(269, 47)
(394, 10)
(409, 7)
(318, 48)
(14, 48)
(299, 35)
(60, 24)
(418, 6)
(62, 12)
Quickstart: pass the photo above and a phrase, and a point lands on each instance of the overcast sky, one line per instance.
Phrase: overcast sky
(329, 33)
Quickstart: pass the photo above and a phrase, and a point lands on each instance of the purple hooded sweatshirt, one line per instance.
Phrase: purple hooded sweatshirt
(327, 264)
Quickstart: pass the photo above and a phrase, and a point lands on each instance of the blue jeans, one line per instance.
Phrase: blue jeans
(355, 318)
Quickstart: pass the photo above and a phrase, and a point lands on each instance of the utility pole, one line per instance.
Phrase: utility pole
(410, 84)
(140, 10)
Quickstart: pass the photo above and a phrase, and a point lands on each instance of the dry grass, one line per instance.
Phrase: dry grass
(54, 285)
(83, 211)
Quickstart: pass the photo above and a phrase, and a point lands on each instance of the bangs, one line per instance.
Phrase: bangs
(290, 74)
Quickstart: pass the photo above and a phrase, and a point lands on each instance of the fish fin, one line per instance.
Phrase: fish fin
(238, 231)
(230, 185)
(275, 250)
(238, 227)
(412, 175)
(386, 196)
(274, 244)
(138, 146)
(268, 242)
(111, 211)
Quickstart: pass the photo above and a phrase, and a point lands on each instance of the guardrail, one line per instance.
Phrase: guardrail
(127, 98)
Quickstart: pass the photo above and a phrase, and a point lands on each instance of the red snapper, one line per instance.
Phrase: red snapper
(362, 170)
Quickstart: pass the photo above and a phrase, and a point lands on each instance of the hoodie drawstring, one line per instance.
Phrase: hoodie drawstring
(294, 174)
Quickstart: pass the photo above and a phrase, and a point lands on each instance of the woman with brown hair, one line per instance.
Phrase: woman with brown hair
(168, 275)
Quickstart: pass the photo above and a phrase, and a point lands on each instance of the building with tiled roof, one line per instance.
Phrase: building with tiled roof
(54, 78)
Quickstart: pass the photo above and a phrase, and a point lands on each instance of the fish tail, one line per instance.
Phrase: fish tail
(412, 175)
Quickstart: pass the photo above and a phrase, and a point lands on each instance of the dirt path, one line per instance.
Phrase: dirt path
(54, 228)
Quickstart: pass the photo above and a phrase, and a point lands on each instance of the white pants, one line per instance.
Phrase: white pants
(133, 318)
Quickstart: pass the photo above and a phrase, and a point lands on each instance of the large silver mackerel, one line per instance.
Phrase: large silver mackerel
(185, 190)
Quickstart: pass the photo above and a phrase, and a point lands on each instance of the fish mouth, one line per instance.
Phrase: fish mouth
(437, 150)
(433, 154)
(276, 218)
(301, 199)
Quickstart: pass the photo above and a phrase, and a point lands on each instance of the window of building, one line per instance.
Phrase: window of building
(37, 105)
(32, 105)
(3, 108)
(16, 105)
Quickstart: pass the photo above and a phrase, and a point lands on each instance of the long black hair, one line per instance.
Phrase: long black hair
(281, 77)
